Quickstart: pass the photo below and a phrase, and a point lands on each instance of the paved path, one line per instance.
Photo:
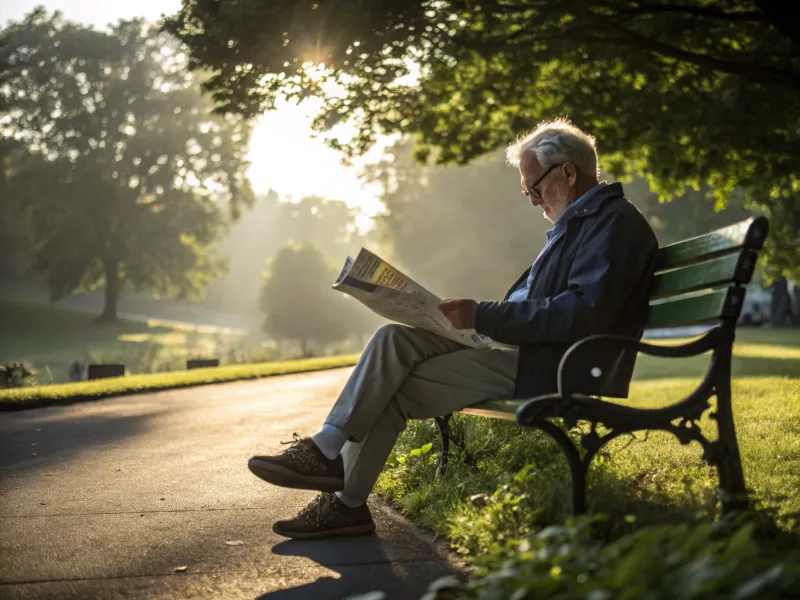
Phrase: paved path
(106, 499)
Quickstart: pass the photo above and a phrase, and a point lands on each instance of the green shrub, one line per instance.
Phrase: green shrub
(15, 375)
(496, 514)
(689, 561)
(495, 510)
(498, 451)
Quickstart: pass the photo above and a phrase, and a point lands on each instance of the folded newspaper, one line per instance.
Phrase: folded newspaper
(391, 294)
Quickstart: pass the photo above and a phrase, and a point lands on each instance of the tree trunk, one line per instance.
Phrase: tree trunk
(304, 349)
(111, 292)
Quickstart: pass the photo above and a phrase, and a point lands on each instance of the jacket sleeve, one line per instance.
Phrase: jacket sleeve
(617, 254)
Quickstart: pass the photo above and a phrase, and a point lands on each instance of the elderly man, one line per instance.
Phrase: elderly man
(592, 276)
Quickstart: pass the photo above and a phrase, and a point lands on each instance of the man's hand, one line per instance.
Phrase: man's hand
(461, 313)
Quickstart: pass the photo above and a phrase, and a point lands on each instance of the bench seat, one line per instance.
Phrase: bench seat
(499, 409)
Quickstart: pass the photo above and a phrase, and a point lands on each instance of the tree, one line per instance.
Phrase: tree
(128, 176)
(12, 226)
(297, 301)
(689, 92)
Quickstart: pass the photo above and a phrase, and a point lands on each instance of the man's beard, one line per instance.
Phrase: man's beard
(560, 205)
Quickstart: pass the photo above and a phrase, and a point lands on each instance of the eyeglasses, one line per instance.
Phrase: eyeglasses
(532, 189)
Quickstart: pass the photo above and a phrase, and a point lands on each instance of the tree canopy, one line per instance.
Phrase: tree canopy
(121, 171)
(686, 93)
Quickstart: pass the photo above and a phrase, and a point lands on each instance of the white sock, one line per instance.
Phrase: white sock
(330, 440)
(348, 501)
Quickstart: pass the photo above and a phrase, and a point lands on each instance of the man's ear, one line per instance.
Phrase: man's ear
(571, 172)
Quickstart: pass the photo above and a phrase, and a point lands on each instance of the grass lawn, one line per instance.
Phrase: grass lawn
(652, 481)
(32, 397)
(50, 339)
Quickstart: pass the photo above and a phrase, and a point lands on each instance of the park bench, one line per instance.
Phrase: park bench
(697, 281)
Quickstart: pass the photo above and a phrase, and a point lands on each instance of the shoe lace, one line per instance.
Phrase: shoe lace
(320, 505)
(295, 438)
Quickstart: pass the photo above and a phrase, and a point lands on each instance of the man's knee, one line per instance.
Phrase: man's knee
(390, 330)
(391, 333)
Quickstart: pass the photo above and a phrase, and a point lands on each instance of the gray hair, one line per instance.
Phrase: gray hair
(554, 142)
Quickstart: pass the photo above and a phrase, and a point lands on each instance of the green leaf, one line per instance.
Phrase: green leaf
(742, 540)
(522, 473)
(753, 587)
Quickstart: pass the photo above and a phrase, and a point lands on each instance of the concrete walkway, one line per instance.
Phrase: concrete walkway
(150, 497)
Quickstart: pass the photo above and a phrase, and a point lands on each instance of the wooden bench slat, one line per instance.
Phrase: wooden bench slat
(676, 312)
(731, 268)
(746, 234)
(499, 409)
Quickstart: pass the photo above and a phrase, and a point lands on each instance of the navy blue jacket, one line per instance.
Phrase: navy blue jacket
(595, 280)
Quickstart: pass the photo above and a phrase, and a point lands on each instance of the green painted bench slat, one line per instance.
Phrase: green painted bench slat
(736, 268)
(670, 313)
(676, 312)
(746, 234)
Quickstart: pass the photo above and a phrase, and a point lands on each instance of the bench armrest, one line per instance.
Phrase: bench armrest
(570, 404)
(580, 354)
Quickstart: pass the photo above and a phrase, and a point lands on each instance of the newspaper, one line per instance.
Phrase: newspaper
(395, 296)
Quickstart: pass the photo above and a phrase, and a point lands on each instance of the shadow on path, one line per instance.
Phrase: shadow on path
(38, 439)
(363, 566)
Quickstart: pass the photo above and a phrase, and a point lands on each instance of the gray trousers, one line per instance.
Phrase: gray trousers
(406, 373)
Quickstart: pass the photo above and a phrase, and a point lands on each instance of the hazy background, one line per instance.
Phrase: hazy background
(460, 231)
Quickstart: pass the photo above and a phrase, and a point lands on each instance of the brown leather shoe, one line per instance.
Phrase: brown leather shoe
(301, 466)
(327, 516)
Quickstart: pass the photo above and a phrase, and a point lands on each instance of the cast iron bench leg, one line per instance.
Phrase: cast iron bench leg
(577, 467)
(444, 428)
(729, 463)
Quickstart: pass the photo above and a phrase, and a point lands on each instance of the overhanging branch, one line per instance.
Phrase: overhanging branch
(747, 70)
(698, 11)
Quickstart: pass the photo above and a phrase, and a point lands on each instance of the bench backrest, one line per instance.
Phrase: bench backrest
(703, 278)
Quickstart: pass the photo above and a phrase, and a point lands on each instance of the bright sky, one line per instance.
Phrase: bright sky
(283, 154)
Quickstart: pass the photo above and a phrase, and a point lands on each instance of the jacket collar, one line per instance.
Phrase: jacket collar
(612, 190)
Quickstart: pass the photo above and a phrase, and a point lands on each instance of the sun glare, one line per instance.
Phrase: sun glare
(284, 155)
(286, 158)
